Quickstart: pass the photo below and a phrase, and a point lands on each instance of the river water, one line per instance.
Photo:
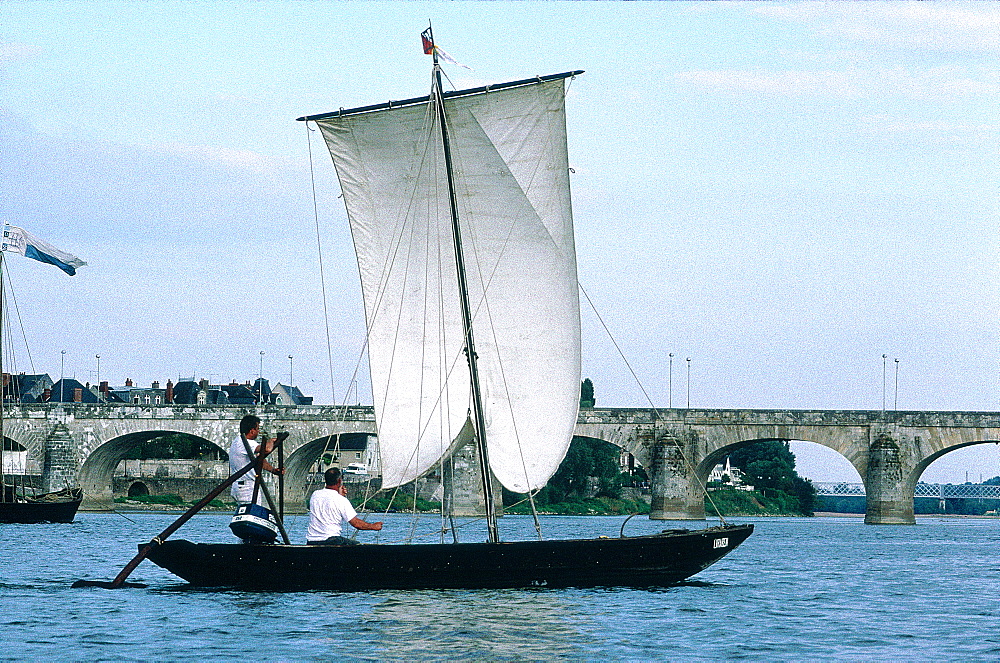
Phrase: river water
(820, 588)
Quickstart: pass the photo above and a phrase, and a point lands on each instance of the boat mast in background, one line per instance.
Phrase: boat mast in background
(470, 346)
(54, 507)
(3, 440)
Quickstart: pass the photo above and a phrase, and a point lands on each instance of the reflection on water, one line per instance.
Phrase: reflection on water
(494, 624)
(823, 588)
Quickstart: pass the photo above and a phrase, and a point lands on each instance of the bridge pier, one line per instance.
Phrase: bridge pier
(675, 491)
(59, 468)
(462, 493)
(888, 502)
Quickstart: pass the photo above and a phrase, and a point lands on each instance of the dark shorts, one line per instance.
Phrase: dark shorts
(335, 541)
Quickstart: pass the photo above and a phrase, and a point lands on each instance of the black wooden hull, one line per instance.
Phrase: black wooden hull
(641, 561)
(53, 510)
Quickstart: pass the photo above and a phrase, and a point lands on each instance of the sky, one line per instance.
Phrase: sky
(781, 192)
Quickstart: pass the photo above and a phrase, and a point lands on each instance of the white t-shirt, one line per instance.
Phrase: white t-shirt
(329, 513)
(242, 490)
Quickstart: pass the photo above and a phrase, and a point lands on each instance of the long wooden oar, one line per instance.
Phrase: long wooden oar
(119, 580)
(281, 478)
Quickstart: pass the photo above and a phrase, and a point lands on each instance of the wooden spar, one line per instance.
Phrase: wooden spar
(281, 478)
(450, 94)
(470, 345)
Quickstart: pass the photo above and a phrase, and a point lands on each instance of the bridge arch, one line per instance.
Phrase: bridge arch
(15, 456)
(98, 469)
(299, 463)
(922, 465)
(138, 489)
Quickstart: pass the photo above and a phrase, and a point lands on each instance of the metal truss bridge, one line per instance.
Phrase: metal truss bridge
(941, 491)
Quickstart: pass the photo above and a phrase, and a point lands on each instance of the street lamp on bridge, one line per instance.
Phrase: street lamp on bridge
(670, 382)
(99, 377)
(689, 383)
(62, 374)
(289, 370)
(883, 383)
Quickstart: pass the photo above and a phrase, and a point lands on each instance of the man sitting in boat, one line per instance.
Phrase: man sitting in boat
(330, 511)
(242, 490)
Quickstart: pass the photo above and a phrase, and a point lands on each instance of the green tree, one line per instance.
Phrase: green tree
(770, 466)
(176, 445)
(587, 393)
(586, 458)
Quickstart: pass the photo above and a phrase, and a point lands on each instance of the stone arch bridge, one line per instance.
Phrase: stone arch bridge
(890, 450)
(82, 444)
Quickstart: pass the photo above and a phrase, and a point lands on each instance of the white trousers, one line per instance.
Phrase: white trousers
(242, 492)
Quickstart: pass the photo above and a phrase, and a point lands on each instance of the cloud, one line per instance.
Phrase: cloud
(935, 26)
(928, 131)
(938, 83)
(784, 83)
(12, 51)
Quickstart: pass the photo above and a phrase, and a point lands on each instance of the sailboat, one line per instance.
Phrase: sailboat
(18, 502)
(459, 208)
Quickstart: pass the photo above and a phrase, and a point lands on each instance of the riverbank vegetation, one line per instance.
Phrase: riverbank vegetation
(588, 482)
(145, 502)
(768, 466)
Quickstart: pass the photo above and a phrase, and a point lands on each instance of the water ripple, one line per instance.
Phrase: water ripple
(822, 589)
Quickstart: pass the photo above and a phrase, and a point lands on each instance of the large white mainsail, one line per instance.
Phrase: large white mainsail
(512, 186)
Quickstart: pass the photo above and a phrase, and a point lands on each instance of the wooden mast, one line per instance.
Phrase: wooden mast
(470, 346)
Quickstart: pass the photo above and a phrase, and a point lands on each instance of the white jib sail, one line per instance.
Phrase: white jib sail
(512, 184)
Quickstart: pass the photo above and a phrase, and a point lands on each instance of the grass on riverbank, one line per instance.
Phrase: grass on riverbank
(583, 506)
(161, 501)
(730, 502)
(733, 502)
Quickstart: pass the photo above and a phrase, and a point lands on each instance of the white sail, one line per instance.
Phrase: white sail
(512, 185)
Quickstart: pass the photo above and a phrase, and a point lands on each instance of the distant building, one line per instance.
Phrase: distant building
(729, 476)
(130, 393)
(261, 390)
(40, 389)
(24, 388)
(189, 392)
(240, 394)
(69, 390)
(288, 395)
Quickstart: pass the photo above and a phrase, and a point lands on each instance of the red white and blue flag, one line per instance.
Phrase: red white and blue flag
(430, 49)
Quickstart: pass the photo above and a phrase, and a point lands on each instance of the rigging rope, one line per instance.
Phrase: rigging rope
(649, 400)
(20, 321)
(322, 272)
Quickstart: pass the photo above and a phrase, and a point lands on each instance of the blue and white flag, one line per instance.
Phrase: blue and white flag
(23, 242)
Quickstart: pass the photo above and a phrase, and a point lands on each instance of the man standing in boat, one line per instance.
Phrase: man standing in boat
(242, 490)
(330, 511)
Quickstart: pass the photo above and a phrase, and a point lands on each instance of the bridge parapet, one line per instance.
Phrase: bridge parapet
(704, 416)
(48, 411)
